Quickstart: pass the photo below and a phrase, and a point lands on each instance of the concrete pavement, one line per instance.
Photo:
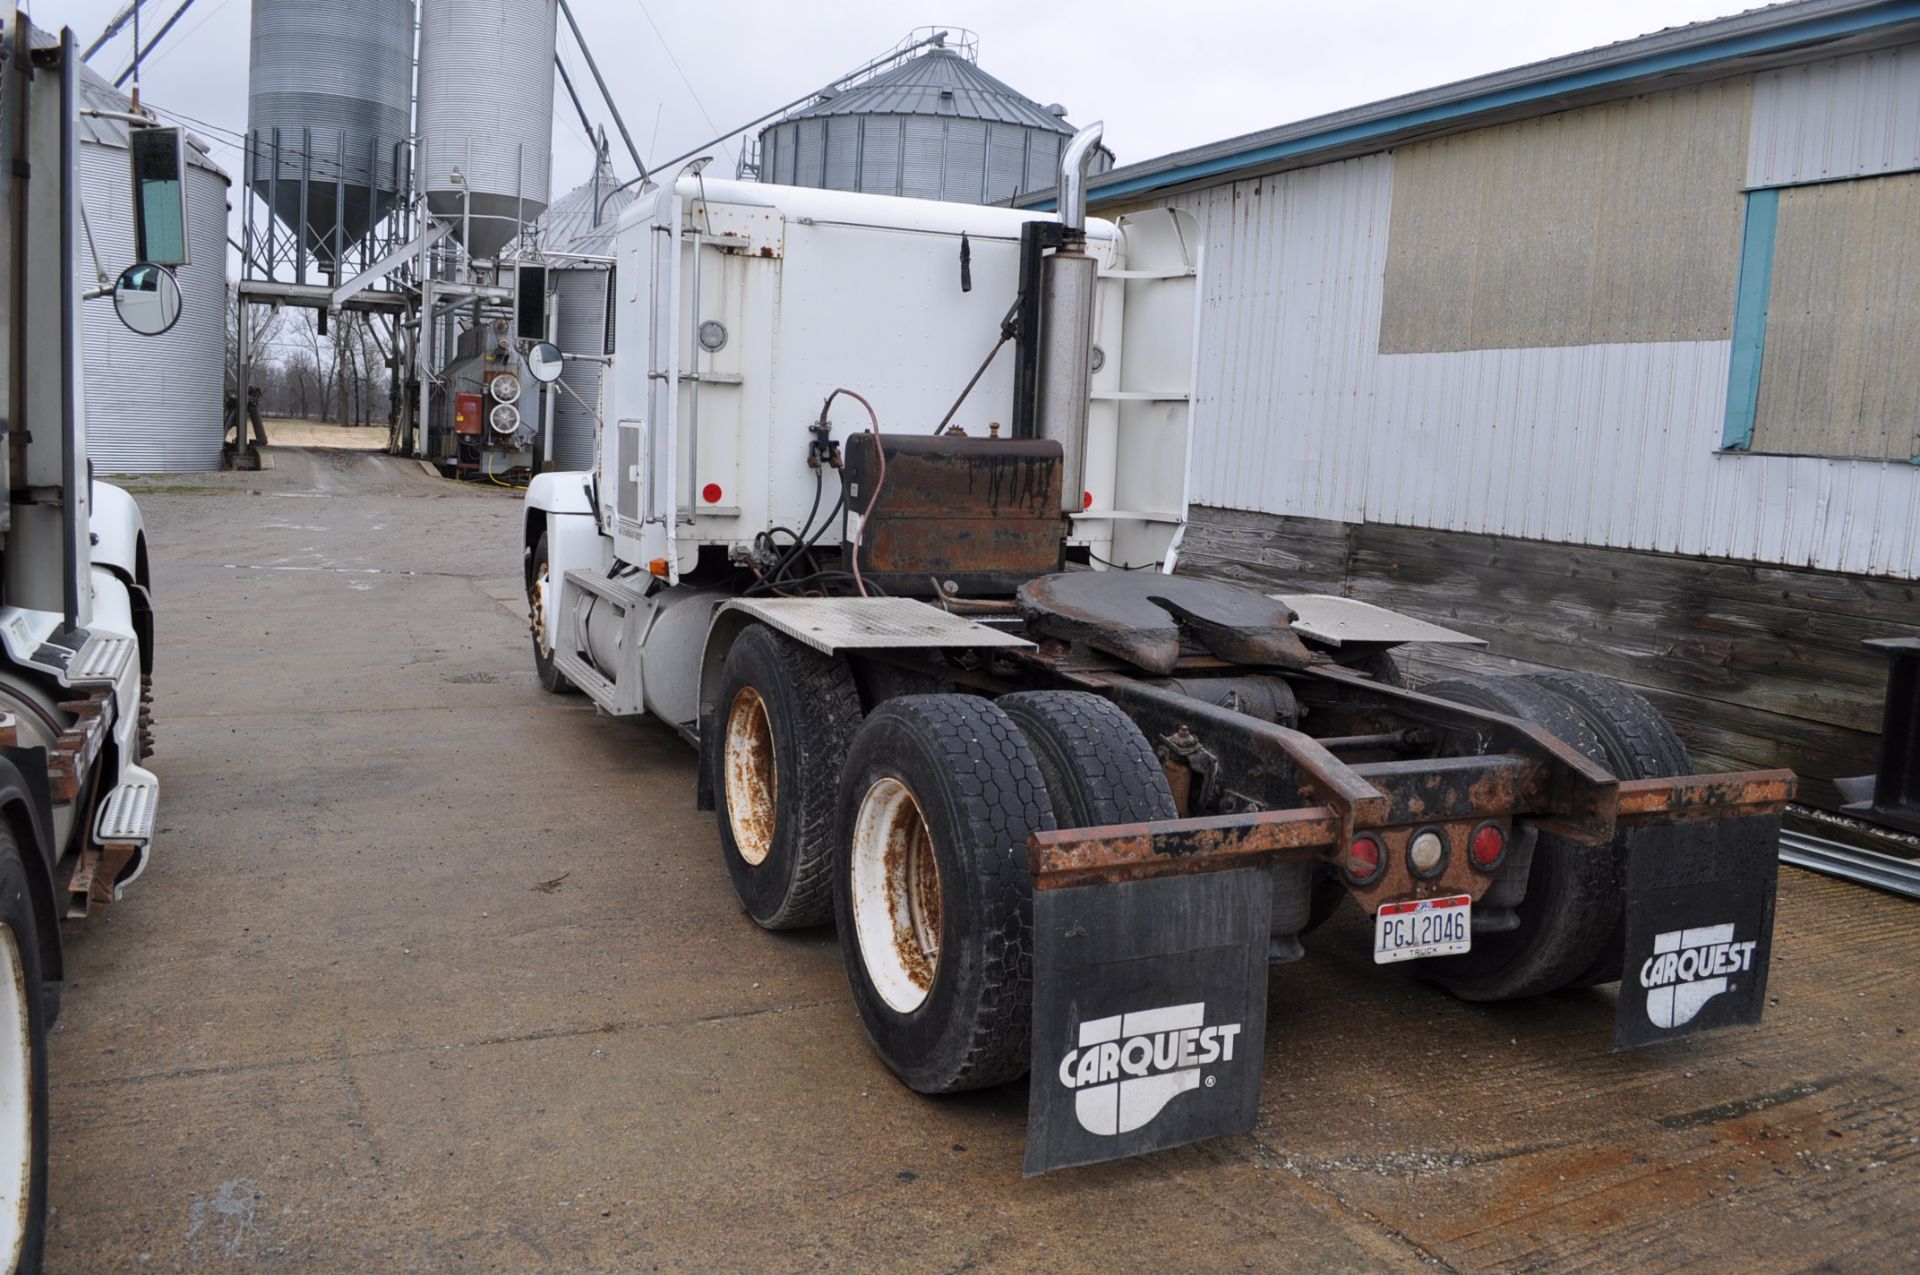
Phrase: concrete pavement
(436, 972)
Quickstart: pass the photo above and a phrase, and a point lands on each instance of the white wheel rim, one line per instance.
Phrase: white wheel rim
(896, 895)
(16, 1100)
(753, 783)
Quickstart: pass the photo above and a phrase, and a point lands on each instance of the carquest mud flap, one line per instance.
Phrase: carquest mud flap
(1699, 928)
(1149, 1014)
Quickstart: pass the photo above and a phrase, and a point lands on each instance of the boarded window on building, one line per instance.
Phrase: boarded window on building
(1612, 223)
(1840, 363)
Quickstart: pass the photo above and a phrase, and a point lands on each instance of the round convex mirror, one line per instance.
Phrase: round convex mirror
(147, 298)
(543, 362)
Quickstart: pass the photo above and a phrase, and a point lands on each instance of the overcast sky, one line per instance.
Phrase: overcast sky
(1163, 76)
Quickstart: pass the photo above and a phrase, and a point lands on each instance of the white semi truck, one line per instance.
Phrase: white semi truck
(911, 594)
(76, 618)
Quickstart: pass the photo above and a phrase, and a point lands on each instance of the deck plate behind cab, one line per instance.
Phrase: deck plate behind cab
(1142, 616)
(1349, 621)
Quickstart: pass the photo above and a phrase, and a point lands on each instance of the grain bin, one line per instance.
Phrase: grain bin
(580, 308)
(486, 112)
(329, 103)
(154, 403)
(934, 127)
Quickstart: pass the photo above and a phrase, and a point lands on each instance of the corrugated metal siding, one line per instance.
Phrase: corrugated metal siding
(343, 67)
(1006, 161)
(486, 96)
(580, 298)
(1043, 160)
(783, 155)
(1297, 413)
(966, 178)
(809, 152)
(1839, 376)
(880, 155)
(843, 148)
(922, 159)
(154, 404)
(1843, 117)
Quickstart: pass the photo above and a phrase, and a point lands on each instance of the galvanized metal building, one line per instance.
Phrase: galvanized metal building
(1609, 359)
(579, 225)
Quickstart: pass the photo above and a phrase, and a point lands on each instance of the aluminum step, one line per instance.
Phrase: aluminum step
(596, 688)
(618, 592)
(102, 659)
(128, 813)
(630, 600)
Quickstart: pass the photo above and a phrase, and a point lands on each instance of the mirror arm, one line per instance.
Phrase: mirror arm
(125, 117)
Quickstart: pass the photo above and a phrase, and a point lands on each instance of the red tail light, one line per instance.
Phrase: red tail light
(1488, 847)
(1366, 860)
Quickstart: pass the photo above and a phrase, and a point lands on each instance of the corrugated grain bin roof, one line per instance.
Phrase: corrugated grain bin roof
(96, 94)
(939, 83)
(568, 225)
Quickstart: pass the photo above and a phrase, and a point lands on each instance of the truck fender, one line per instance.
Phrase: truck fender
(560, 507)
(26, 805)
(119, 533)
(830, 626)
(120, 546)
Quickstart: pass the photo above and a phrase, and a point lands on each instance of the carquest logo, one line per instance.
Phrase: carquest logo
(1130, 1066)
(1688, 968)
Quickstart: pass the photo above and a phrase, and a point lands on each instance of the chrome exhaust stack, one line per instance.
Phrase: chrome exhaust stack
(1066, 321)
(1075, 162)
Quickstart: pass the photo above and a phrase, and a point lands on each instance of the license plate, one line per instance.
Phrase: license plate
(1423, 927)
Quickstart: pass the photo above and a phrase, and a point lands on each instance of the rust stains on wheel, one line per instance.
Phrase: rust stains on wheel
(896, 894)
(753, 784)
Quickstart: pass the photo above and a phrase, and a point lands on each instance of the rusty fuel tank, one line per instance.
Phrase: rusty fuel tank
(977, 515)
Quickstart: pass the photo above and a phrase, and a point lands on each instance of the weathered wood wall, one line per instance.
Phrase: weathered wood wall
(1756, 666)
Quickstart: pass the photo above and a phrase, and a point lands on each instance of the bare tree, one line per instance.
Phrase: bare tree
(263, 325)
(304, 382)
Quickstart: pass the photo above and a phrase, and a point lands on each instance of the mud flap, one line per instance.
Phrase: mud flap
(1149, 1014)
(1699, 928)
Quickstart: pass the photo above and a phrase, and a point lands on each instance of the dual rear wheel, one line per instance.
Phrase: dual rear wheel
(909, 827)
(933, 896)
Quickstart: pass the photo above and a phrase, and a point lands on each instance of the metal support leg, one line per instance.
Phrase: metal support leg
(1894, 795)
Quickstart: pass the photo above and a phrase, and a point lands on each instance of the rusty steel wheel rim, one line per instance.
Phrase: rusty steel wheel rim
(753, 783)
(896, 895)
(538, 606)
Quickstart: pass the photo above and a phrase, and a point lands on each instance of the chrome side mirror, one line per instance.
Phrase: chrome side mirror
(147, 298)
(544, 362)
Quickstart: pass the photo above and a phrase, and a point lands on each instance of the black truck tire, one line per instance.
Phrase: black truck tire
(1639, 744)
(538, 581)
(23, 1068)
(787, 714)
(931, 889)
(1098, 766)
(1574, 901)
(1383, 668)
